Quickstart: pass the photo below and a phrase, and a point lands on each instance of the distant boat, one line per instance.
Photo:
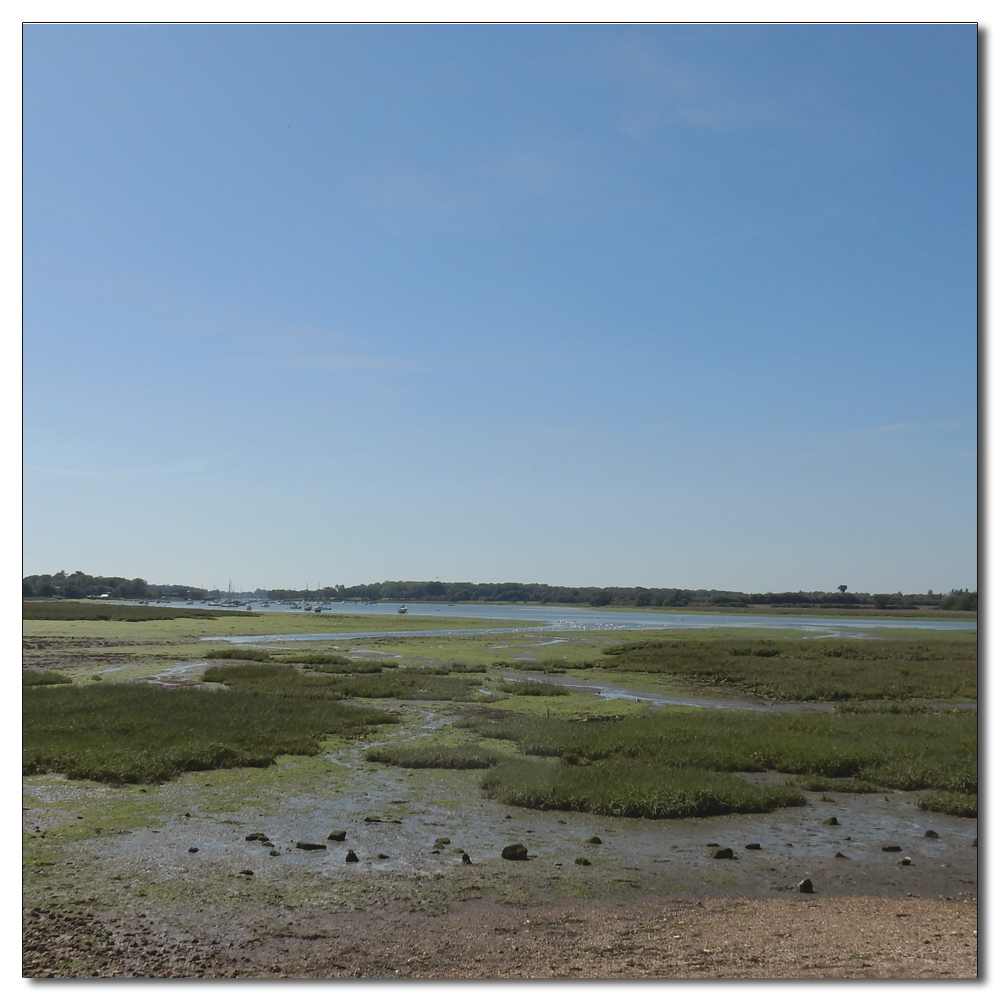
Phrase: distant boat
(307, 607)
(402, 610)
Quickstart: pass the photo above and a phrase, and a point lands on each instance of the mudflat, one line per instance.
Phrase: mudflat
(231, 873)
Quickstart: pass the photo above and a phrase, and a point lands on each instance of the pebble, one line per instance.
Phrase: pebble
(723, 854)
(305, 845)
(931, 834)
(805, 886)
(594, 840)
(839, 855)
(351, 856)
(338, 835)
(892, 847)
(466, 860)
(192, 850)
(832, 821)
(753, 847)
(581, 861)
(905, 861)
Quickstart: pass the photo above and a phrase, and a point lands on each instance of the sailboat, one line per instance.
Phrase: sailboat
(402, 610)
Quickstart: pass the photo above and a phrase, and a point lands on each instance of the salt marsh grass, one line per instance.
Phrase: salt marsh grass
(137, 733)
(813, 670)
(628, 788)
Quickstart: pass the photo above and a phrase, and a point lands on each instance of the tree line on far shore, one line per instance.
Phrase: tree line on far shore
(80, 585)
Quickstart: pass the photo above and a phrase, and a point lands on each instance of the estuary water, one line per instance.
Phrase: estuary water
(563, 619)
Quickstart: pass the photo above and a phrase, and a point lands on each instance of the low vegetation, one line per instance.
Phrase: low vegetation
(811, 670)
(530, 688)
(67, 611)
(34, 678)
(410, 684)
(952, 803)
(934, 751)
(237, 654)
(138, 733)
(626, 788)
(456, 758)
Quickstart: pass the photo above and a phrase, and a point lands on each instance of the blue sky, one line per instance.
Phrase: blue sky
(684, 306)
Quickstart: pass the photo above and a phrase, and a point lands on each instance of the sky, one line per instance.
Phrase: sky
(592, 305)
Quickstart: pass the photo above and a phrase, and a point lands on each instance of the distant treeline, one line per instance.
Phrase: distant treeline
(77, 585)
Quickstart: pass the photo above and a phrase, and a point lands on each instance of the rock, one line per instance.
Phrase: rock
(515, 852)
(931, 834)
(839, 855)
(435, 852)
(712, 844)
(905, 861)
(257, 836)
(304, 845)
(351, 856)
(805, 886)
(466, 860)
(723, 853)
(246, 871)
(274, 854)
(382, 857)
(267, 843)
(892, 847)
(832, 821)
(508, 816)
(753, 847)
(338, 835)
(186, 814)
(372, 819)
(443, 840)
(192, 850)
(594, 840)
(561, 821)
(396, 821)
(581, 861)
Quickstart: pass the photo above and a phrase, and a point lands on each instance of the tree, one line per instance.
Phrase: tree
(842, 588)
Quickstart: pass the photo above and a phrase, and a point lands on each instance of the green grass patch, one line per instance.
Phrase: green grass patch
(64, 611)
(533, 689)
(620, 788)
(952, 803)
(237, 654)
(896, 708)
(136, 733)
(411, 684)
(452, 757)
(35, 678)
(316, 659)
(907, 752)
(814, 670)
(333, 663)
